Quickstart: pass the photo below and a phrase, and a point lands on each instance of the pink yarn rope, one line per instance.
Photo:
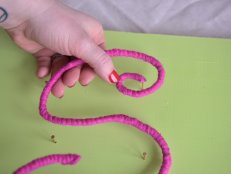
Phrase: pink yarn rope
(120, 118)
(63, 159)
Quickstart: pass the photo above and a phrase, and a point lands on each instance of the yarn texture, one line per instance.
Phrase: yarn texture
(120, 118)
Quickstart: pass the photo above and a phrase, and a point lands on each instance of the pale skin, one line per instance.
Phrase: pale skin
(46, 27)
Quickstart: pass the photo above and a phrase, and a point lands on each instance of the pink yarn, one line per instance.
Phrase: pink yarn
(121, 118)
(63, 159)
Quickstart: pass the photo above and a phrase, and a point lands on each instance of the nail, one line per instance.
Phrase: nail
(84, 85)
(60, 97)
(114, 77)
(144, 155)
(53, 139)
(72, 86)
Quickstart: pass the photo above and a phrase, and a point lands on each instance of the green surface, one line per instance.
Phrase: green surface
(192, 110)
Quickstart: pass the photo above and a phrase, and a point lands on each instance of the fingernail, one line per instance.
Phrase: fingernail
(114, 77)
(60, 97)
(42, 72)
(84, 84)
(72, 86)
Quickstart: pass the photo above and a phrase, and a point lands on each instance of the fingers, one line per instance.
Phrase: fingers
(96, 57)
(87, 75)
(43, 66)
(91, 49)
(46, 64)
(58, 89)
(43, 62)
(71, 77)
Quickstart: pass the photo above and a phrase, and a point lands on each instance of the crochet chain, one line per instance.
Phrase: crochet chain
(71, 159)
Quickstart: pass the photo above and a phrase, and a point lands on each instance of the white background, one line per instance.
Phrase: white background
(209, 18)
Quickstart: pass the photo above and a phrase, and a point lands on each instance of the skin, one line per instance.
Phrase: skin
(44, 30)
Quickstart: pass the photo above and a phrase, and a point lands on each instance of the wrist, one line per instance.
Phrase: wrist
(15, 12)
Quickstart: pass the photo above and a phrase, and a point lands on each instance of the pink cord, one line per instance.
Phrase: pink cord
(124, 119)
(63, 159)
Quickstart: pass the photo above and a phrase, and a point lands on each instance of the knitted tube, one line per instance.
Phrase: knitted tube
(63, 159)
(120, 118)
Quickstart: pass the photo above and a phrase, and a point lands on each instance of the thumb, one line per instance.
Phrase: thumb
(98, 59)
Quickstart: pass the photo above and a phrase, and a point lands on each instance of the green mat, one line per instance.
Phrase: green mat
(192, 110)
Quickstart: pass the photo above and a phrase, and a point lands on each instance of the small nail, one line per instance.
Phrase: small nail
(114, 77)
(53, 139)
(144, 155)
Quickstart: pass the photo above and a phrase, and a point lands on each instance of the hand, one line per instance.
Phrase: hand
(60, 29)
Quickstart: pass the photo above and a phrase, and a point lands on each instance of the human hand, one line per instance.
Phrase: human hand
(47, 27)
